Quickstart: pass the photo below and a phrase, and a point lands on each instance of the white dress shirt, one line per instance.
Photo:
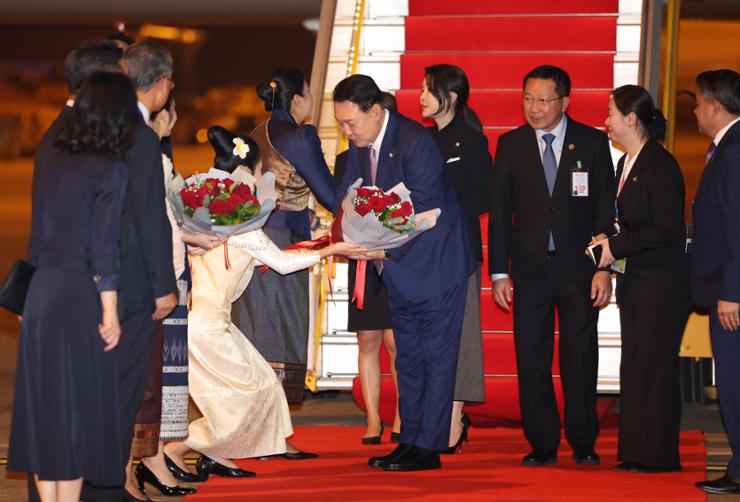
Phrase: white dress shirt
(375, 145)
(721, 134)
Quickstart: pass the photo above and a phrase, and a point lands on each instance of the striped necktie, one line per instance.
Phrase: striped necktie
(373, 164)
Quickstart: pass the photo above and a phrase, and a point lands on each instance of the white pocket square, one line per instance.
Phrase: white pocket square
(452, 159)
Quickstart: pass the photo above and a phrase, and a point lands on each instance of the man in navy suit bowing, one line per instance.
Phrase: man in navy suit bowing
(715, 256)
(426, 278)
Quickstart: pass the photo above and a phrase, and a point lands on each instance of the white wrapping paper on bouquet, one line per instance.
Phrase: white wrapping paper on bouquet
(368, 232)
(263, 189)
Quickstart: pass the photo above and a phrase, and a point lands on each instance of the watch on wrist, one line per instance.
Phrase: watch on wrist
(386, 254)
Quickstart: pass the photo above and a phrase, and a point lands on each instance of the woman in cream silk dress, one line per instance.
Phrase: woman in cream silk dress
(245, 412)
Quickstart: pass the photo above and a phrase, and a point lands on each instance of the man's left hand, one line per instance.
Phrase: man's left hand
(601, 289)
(729, 314)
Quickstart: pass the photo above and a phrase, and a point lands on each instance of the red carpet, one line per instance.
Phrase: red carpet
(489, 469)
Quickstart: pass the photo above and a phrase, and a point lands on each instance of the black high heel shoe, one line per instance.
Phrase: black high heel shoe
(145, 475)
(181, 475)
(206, 466)
(374, 439)
(457, 447)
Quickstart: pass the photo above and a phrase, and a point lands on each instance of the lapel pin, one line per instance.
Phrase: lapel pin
(634, 179)
(571, 146)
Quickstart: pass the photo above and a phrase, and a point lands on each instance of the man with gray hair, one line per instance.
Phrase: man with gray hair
(715, 262)
(148, 277)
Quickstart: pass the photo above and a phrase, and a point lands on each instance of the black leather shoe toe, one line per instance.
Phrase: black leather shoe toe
(207, 465)
(540, 457)
(725, 484)
(648, 469)
(624, 466)
(414, 459)
(588, 457)
(386, 459)
(298, 455)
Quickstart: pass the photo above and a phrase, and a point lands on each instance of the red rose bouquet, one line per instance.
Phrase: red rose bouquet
(229, 202)
(388, 208)
(222, 203)
(375, 219)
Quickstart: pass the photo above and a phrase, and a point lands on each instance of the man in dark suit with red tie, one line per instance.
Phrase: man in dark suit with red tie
(426, 278)
(715, 253)
(553, 181)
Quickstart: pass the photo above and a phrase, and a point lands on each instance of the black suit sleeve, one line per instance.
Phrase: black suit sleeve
(476, 197)
(149, 214)
(604, 187)
(502, 210)
(666, 214)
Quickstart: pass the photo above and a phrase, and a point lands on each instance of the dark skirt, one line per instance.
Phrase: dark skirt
(273, 315)
(175, 371)
(375, 314)
(65, 413)
(650, 394)
(148, 418)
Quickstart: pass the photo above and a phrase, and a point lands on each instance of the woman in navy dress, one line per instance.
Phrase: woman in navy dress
(65, 412)
(292, 151)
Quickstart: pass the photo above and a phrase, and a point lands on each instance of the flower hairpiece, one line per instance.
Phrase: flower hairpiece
(241, 149)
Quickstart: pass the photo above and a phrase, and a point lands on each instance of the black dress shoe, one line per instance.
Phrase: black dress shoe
(624, 466)
(395, 437)
(297, 455)
(145, 475)
(386, 459)
(540, 457)
(181, 475)
(725, 484)
(415, 459)
(374, 439)
(589, 457)
(206, 466)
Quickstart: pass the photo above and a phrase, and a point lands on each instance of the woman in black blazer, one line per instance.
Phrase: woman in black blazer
(459, 136)
(652, 282)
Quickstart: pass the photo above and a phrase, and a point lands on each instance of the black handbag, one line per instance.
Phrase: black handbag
(14, 290)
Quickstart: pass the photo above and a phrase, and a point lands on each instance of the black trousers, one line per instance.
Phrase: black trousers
(650, 399)
(534, 319)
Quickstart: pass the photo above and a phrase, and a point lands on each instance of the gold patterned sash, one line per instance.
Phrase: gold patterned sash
(290, 186)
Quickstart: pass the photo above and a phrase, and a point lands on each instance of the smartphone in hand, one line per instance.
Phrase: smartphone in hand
(594, 252)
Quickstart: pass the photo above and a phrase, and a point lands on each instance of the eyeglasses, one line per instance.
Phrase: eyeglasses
(544, 102)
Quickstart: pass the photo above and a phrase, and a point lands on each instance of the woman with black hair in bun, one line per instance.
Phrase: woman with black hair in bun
(245, 413)
(652, 282)
(292, 152)
(459, 135)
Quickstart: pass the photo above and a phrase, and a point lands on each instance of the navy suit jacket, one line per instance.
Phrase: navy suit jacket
(439, 258)
(715, 253)
(146, 244)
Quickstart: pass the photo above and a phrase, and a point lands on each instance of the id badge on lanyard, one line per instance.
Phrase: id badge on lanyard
(620, 265)
(579, 181)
